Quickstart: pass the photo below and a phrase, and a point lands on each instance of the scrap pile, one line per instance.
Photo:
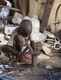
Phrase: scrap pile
(52, 75)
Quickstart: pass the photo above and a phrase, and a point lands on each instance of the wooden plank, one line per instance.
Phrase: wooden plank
(23, 4)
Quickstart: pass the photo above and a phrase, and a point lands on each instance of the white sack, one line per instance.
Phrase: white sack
(4, 11)
(35, 24)
(17, 18)
(39, 36)
(26, 17)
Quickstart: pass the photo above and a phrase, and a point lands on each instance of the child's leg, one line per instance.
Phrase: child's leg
(28, 56)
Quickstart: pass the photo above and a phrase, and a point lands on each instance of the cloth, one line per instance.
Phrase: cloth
(4, 11)
(32, 36)
(10, 42)
(23, 47)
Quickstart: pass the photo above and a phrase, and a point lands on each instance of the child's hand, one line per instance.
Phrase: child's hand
(20, 54)
(21, 57)
(37, 46)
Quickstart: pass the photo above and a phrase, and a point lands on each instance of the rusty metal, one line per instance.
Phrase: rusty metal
(58, 22)
(53, 75)
(34, 60)
(34, 57)
(46, 13)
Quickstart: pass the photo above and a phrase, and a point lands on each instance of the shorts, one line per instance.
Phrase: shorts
(23, 47)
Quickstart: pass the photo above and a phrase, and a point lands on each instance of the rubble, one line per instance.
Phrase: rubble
(52, 75)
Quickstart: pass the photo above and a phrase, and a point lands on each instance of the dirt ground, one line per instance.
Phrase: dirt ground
(34, 73)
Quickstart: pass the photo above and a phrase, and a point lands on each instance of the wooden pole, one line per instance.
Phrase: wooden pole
(46, 13)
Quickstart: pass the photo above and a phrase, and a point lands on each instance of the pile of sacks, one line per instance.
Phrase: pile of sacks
(37, 35)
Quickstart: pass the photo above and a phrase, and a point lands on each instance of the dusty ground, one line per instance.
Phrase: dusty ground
(34, 73)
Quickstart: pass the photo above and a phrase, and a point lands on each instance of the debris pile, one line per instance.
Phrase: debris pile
(51, 75)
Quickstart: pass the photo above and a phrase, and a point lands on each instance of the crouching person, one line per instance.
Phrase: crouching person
(15, 44)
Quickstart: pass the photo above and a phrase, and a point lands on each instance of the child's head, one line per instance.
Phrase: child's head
(25, 28)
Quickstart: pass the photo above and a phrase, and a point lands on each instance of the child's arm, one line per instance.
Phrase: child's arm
(19, 42)
(11, 50)
(18, 45)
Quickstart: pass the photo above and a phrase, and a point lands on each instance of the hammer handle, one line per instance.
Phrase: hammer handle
(29, 46)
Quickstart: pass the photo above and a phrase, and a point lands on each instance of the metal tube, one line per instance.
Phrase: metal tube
(34, 61)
